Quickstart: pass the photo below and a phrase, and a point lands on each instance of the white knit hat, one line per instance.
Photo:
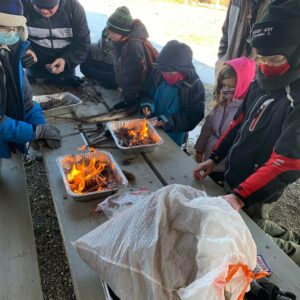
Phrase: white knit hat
(11, 15)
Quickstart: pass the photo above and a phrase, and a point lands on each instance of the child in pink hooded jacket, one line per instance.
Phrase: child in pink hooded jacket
(232, 86)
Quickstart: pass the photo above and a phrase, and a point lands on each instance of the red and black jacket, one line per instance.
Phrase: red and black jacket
(263, 144)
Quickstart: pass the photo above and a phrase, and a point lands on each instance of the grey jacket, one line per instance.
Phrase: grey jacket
(103, 50)
(214, 126)
(241, 15)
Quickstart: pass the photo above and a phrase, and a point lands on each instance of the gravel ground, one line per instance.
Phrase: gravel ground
(55, 274)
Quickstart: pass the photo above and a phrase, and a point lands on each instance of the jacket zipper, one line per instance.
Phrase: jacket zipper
(222, 120)
(240, 135)
(50, 30)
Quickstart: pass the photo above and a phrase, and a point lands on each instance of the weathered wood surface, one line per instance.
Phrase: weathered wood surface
(174, 166)
(166, 165)
(77, 218)
(19, 272)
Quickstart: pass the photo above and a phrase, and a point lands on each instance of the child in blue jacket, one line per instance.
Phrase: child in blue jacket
(21, 120)
(178, 97)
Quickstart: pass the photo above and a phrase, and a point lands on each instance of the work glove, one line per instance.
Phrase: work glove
(48, 134)
(27, 61)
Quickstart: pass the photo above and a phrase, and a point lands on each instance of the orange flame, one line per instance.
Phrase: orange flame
(140, 135)
(84, 175)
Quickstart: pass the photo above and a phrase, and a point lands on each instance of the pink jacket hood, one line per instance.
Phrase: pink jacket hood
(245, 69)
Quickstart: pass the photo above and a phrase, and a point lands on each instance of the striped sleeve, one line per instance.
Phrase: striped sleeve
(282, 168)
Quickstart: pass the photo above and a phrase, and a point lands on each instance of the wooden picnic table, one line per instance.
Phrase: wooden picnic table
(168, 164)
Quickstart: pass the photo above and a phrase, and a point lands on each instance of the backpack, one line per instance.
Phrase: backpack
(150, 51)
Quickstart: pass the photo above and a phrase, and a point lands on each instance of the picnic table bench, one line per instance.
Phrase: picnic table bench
(19, 272)
(168, 164)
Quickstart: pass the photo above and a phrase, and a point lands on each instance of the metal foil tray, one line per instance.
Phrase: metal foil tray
(102, 156)
(55, 104)
(131, 124)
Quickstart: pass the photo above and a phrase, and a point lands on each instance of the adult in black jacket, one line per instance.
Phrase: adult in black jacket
(263, 141)
(178, 97)
(59, 35)
(132, 63)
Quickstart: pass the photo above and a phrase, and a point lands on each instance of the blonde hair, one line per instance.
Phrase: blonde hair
(225, 72)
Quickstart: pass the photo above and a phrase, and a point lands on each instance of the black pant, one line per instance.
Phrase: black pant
(100, 71)
(218, 178)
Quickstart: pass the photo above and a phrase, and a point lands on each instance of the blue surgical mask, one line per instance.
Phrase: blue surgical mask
(228, 93)
(9, 38)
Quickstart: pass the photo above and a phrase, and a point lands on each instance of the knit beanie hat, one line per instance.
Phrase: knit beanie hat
(120, 21)
(278, 33)
(11, 15)
(47, 4)
(176, 57)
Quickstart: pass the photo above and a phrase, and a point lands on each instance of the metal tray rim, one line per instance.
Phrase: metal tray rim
(91, 194)
(60, 107)
(109, 126)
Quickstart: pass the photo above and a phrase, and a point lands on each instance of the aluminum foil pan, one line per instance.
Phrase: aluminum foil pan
(55, 104)
(115, 125)
(103, 156)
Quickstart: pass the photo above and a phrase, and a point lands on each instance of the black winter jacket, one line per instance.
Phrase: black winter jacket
(192, 103)
(263, 144)
(65, 35)
(131, 66)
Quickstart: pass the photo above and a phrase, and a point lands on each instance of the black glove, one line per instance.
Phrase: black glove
(28, 61)
(126, 104)
(49, 134)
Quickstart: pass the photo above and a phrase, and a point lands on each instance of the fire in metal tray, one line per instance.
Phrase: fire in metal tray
(130, 137)
(89, 174)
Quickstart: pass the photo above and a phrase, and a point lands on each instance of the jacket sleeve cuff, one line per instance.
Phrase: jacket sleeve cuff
(215, 158)
(243, 199)
(16, 131)
(149, 103)
(168, 122)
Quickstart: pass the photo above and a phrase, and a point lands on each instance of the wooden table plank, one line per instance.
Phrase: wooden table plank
(174, 166)
(19, 272)
(77, 218)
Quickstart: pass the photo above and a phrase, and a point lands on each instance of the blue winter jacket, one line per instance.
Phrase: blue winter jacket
(18, 117)
(181, 106)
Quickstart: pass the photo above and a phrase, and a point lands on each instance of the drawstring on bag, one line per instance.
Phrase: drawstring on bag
(232, 269)
(288, 95)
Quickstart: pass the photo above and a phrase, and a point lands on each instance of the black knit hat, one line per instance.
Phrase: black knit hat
(278, 32)
(176, 57)
(45, 3)
(120, 21)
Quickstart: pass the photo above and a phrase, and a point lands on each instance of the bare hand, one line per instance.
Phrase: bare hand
(204, 169)
(160, 124)
(58, 66)
(234, 201)
(30, 52)
(198, 157)
(146, 111)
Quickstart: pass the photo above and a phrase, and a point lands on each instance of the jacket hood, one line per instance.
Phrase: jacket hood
(139, 31)
(176, 57)
(245, 69)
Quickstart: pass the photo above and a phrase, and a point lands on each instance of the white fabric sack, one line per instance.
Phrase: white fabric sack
(176, 243)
